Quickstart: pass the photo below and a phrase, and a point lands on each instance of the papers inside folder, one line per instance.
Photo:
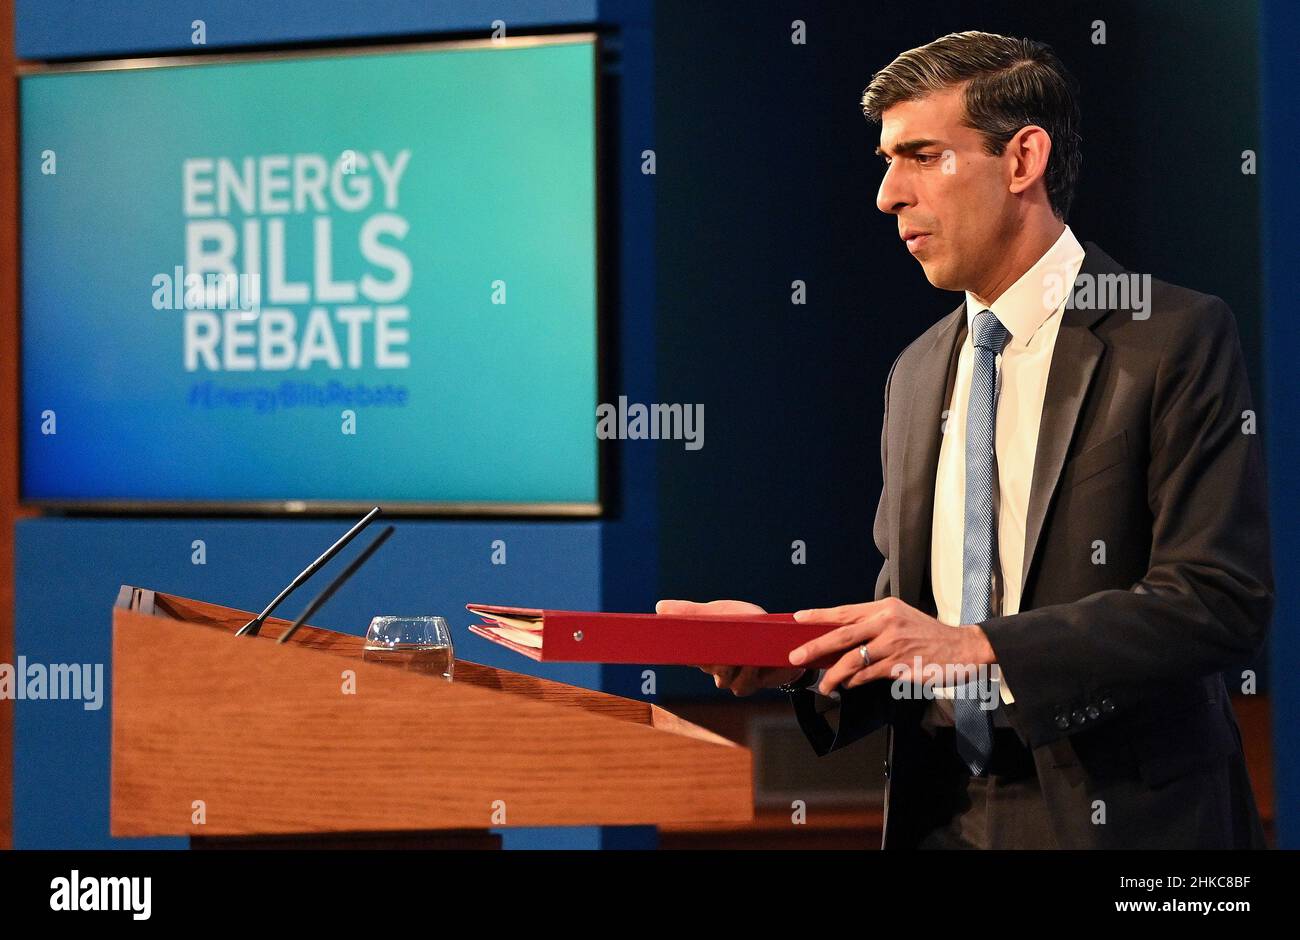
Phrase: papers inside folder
(521, 630)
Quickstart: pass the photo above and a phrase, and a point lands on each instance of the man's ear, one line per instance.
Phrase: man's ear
(1028, 151)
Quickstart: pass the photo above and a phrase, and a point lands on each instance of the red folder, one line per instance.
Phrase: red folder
(572, 636)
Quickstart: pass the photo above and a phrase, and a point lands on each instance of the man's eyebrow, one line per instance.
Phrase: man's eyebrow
(908, 146)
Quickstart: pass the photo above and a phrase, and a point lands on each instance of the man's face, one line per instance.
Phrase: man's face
(939, 181)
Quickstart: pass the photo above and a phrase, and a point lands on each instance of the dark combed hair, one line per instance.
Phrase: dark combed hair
(1012, 83)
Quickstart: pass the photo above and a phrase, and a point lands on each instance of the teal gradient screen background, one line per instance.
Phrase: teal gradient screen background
(497, 207)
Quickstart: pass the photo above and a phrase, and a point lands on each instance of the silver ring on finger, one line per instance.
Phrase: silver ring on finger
(866, 657)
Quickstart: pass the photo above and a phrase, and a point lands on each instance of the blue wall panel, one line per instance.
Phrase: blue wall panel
(53, 29)
(1279, 157)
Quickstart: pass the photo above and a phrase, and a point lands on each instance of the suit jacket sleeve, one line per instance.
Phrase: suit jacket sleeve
(1205, 602)
(865, 708)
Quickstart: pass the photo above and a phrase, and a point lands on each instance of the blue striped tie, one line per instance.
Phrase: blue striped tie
(979, 549)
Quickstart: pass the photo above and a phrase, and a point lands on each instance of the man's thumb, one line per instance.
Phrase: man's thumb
(674, 607)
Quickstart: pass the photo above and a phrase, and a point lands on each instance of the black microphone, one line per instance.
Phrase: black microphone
(337, 583)
(254, 626)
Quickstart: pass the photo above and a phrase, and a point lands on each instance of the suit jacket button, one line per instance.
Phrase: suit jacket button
(1078, 717)
(1093, 712)
(1108, 705)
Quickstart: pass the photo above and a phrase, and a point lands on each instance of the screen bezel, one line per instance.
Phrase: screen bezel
(327, 507)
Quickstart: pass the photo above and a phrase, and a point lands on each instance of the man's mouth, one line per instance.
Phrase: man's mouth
(916, 240)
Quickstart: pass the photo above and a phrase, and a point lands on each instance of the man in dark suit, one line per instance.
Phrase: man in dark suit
(1073, 517)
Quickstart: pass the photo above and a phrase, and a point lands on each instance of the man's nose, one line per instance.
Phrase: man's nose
(892, 196)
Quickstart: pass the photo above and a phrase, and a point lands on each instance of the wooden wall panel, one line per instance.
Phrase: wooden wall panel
(8, 393)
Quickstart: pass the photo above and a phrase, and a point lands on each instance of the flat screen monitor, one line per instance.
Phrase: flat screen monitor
(313, 281)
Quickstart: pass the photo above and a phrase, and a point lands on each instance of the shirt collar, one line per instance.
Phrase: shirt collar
(1029, 302)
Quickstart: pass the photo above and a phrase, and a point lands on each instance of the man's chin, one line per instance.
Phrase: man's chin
(938, 277)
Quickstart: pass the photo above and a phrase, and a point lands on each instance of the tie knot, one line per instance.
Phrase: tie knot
(989, 331)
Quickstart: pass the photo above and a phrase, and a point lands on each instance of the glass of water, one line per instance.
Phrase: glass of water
(421, 644)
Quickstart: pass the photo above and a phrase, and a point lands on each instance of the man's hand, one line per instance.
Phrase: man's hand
(741, 680)
(895, 633)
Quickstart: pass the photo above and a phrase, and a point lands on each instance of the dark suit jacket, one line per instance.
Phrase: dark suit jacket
(1115, 667)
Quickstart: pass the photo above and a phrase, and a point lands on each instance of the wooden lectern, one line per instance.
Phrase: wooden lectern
(238, 741)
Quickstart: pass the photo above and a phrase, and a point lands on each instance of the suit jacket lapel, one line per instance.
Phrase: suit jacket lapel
(1074, 362)
(922, 414)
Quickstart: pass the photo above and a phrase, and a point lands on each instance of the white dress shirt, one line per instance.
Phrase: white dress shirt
(1031, 309)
